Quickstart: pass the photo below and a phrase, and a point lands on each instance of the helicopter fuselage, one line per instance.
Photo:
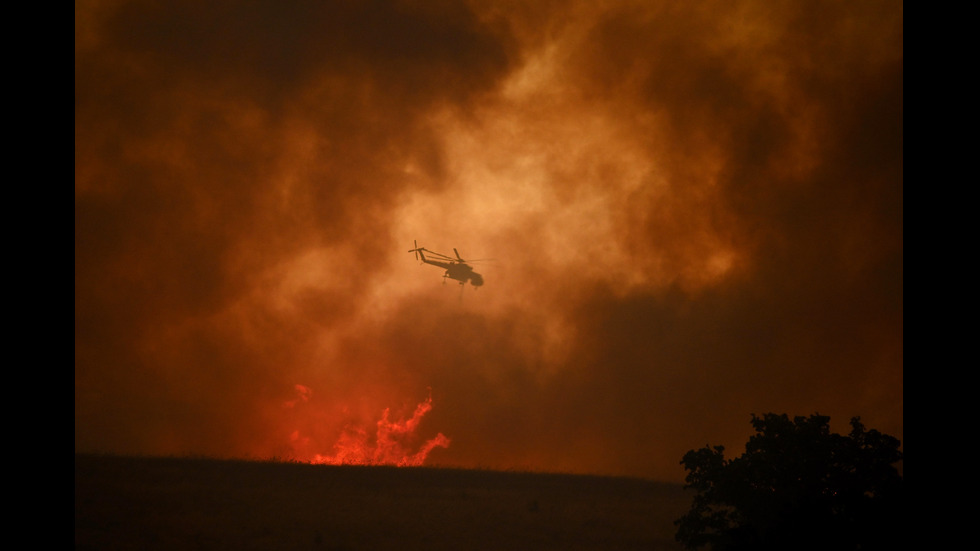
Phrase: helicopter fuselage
(460, 271)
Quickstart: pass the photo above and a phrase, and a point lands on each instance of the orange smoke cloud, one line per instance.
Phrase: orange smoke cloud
(695, 209)
(303, 394)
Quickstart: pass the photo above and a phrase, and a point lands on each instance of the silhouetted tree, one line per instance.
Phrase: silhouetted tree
(797, 486)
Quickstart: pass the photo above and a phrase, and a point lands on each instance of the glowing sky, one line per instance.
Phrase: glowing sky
(694, 211)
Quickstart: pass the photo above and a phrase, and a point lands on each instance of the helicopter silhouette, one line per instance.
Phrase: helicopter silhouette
(456, 268)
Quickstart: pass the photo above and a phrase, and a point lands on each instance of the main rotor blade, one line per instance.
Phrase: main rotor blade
(439, 255)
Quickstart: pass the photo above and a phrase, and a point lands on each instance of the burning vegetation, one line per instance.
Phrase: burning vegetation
(392, 442)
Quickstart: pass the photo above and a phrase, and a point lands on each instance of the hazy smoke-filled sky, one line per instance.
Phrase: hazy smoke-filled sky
(694, 211)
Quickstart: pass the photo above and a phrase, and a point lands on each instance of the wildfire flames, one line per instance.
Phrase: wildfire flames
(391, 444)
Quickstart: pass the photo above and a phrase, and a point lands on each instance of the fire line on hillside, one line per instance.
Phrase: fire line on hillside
(392, 442)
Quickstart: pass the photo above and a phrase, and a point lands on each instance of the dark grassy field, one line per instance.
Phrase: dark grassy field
(180, 503)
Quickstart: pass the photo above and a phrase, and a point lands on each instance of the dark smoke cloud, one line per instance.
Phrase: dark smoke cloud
(695, 215)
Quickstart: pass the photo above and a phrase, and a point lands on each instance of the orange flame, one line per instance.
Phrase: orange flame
(390, 445)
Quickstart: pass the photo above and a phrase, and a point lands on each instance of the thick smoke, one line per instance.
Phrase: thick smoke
(694, 213)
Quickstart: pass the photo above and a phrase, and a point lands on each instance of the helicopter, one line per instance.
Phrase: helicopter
(456, 268)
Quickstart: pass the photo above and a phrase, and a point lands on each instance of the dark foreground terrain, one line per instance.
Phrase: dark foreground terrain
(180, 503)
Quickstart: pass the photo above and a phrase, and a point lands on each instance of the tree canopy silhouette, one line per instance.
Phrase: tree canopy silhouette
(797, 486)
